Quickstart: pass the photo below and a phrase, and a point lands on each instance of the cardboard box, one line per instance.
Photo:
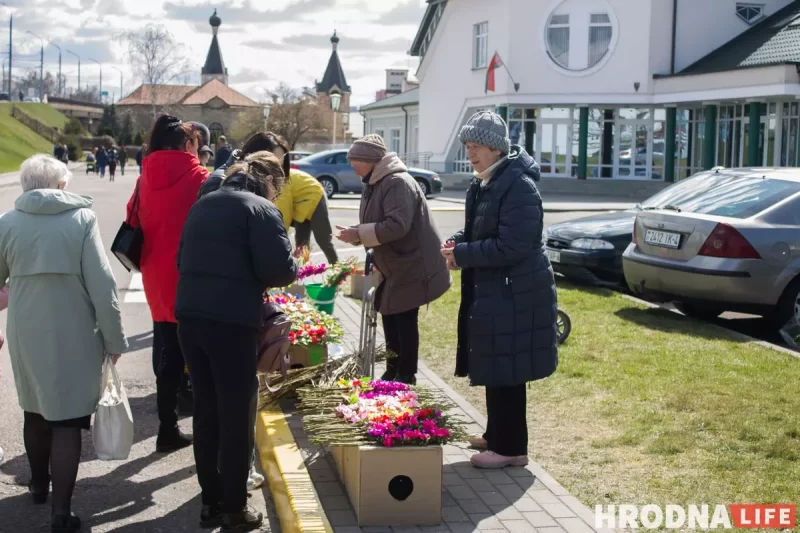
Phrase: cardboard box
(393, 486)
(357, 285)
(306, 356)
(296, 290)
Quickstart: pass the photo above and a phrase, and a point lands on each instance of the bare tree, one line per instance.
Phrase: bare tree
(157, 58)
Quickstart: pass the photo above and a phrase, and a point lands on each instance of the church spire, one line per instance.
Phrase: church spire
(334, 74)
(215, 66)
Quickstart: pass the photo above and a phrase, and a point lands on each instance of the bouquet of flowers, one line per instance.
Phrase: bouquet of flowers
(383, 413)
(310, 270)
(309, 325)
(340, 272)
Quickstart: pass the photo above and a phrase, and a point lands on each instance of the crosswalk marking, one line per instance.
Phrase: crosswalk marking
(135, 292)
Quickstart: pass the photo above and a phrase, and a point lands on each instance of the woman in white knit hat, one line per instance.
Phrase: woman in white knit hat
(507, 320)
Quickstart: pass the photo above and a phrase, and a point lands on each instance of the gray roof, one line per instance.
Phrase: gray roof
(214, 63)
(334, 75)
(407, 98)
(773, 41)
(427, 20)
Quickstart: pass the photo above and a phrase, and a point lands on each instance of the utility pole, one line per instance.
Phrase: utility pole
(10, 48)
(121, 92)
(41, 66)
(79, 69)
(59, 68)
(101, 77)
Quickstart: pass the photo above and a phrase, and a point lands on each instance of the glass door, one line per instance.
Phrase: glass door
(635, 160)
(553, 147)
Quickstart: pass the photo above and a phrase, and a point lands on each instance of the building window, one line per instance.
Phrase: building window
(600, 32)
(580, 34)
(480, 46)
(394, 141)
(558, 39)
(379, 132)
(750, 13)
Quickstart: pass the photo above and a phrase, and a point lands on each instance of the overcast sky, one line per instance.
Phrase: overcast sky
(285, 40)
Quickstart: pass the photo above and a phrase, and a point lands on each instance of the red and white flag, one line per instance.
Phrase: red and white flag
(494, 64)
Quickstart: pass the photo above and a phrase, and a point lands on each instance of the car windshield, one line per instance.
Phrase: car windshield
(723, 195)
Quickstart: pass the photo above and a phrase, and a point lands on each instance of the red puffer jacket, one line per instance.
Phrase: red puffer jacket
(167, 190)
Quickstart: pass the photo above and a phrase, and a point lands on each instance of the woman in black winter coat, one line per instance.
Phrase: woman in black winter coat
(507, 319)
(234, 247)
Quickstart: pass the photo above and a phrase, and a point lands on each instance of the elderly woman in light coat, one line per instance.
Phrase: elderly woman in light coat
(63, 317)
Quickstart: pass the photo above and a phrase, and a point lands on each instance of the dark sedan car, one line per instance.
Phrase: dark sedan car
(336, 175)
(591, 248)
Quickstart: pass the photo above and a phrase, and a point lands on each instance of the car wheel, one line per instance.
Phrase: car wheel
(329, 185)
(697, 311)
(788, 306)
(426, 188)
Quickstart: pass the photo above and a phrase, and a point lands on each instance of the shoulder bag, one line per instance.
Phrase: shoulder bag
(127, 245)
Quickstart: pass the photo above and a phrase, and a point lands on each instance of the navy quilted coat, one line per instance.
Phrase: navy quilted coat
(507, 319)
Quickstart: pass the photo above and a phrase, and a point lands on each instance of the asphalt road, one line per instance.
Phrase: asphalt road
(149, 492)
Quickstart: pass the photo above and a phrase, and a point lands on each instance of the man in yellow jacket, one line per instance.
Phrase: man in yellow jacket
(304, 206)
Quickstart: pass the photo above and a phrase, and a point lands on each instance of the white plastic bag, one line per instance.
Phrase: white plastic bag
(112, 432)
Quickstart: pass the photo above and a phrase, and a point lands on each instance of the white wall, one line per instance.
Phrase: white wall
(705, 25)
(385, 120)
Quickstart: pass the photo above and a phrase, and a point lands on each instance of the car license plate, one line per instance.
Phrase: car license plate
(555, 257)
(662, 238)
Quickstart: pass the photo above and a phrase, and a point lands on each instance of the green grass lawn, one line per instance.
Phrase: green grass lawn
(650, 407)
(17, 143)
(43, 112)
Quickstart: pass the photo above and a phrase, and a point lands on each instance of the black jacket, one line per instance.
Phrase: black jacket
(507, 319)
(222, 156)
(234, 247)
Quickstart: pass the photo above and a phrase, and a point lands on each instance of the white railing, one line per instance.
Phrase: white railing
(417, 159)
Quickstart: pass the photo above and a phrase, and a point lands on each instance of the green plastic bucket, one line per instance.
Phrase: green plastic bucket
(322, 296)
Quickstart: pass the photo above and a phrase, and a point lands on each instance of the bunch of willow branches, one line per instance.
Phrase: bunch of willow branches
(323, 427)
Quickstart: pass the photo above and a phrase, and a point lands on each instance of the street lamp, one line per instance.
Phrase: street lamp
(41, 66)
(10, 49)
(266, 115)
(79, 69)
(120, 82)
(59, 66)
(336, 100)
(101, 77)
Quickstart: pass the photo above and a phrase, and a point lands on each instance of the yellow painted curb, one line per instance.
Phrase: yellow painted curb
(298, 506)
(433, 209)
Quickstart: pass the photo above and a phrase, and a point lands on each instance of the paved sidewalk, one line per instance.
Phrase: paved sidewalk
(11, 179)
(514, 500)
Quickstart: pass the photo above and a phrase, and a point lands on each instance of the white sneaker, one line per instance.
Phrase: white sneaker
(255, 481)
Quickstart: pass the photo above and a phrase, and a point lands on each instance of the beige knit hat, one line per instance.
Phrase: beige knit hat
(370, 148)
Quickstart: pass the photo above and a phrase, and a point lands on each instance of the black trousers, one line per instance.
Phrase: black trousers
(222, 363)
(507, 427)
(169, 365)
(402, 338)
(320, 225)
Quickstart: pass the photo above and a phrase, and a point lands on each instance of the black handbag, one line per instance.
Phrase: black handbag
(127, 245)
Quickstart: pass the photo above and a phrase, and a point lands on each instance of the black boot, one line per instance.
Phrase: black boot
(210, 517)
(408, 380)
(247, 519)
(65, 523)
(171, 440)
(391, 369)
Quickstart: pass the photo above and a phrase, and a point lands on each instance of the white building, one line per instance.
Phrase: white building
(608, 89)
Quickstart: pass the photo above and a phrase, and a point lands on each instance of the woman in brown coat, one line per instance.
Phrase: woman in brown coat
(396, 223)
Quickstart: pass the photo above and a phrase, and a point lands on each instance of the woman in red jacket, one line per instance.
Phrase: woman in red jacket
(167, 189)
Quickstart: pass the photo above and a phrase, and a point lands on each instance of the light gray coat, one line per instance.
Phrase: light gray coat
(63, 311)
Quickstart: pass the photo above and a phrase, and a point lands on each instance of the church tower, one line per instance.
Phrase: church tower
(214, 67)
(334, 81)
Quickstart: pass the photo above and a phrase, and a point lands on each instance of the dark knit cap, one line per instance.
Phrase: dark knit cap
(369, 148)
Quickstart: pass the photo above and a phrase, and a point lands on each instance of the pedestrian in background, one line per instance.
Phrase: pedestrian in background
(64, 154)
(63, 317)
(206, 154)
(166, 190)
(102, 161)
(113, 157)
(223, 152)
(234, 247)
(507, 319)
(395, 221)
(140, 156)
(123, 159)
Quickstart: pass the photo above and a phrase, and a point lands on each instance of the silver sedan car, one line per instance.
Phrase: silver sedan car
(735, 247)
